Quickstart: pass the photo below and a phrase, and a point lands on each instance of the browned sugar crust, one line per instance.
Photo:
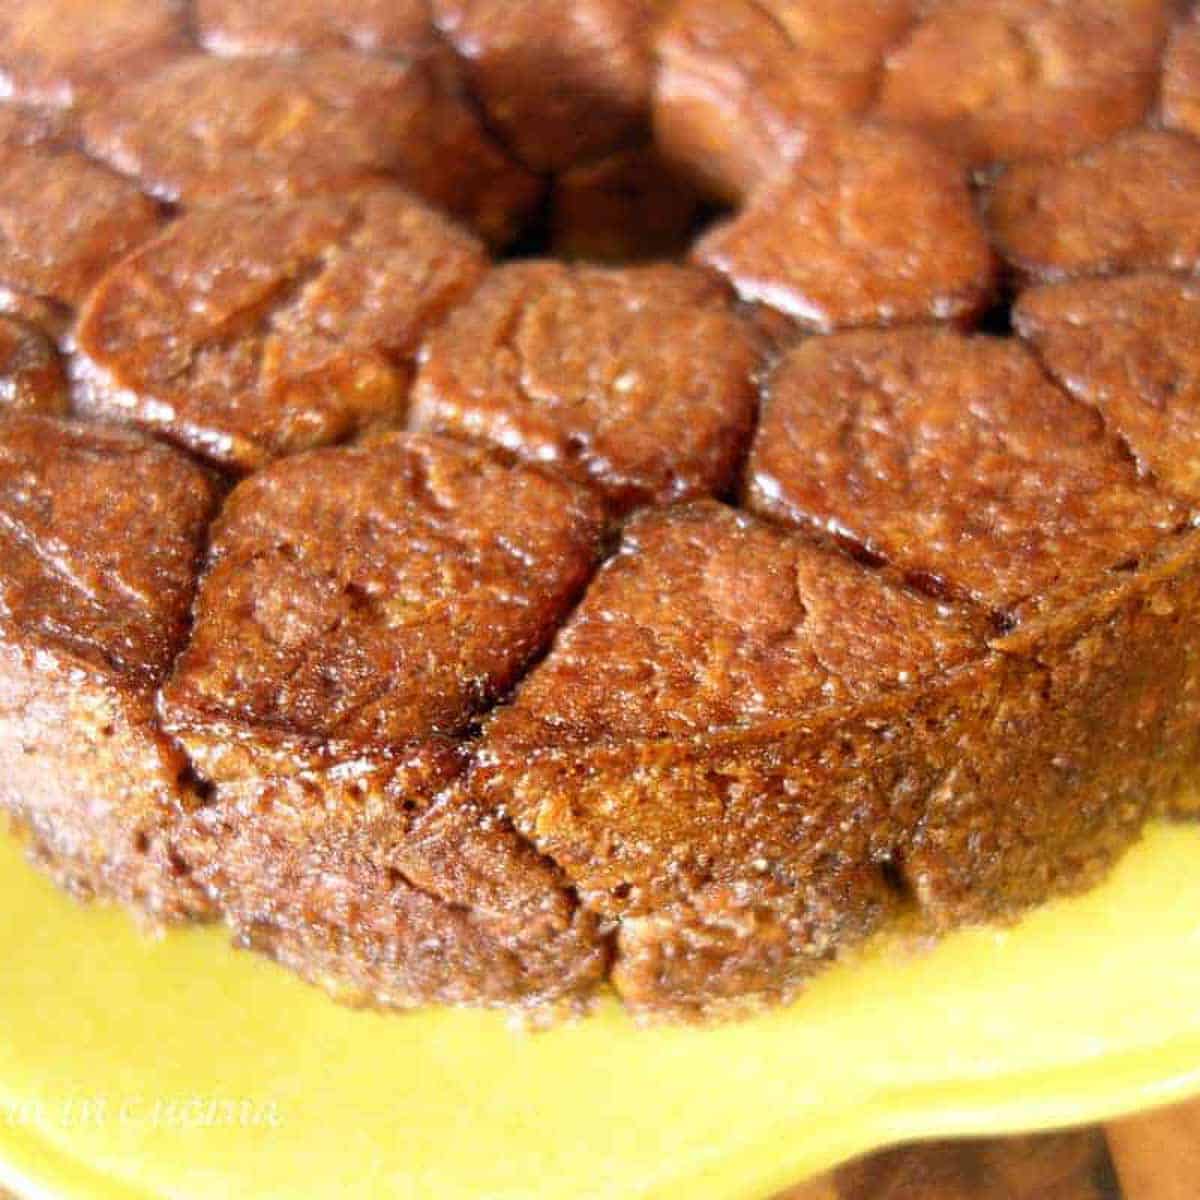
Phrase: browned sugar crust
(65, 220)
(1131, 348)
(640, 381)
(1004, 80)
(1181, 78)
(870, 226)
(377, 594)
(246, 332)
(359, 607)
(740, 852)
(562, 83)
(392, 908)
(1124, 206)
(711, 619)
(670, 787)
(954, 460)
(31, 373)
(741, 83)
(207, 130)
(34, 124)
(289, 26)
(74, 52)
(100, 534)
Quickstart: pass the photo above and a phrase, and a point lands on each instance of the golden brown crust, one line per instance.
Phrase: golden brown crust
(360, 606)
(247, 332)
(100, 535)
(954, 460)
(399, 899)
(1004, 80)
(733, 949)
(709, 619)
(690, 777)
(65, 221)
(72, 52)
(376, 595)
(869, 226)
(1181, 78)
(754, 854)
(639, 381)
(959, 687)
(207, 130)
(563, 83)
(1130, 347)
(290, 26)
(741, 82)
(1124, 206)
(31, 373)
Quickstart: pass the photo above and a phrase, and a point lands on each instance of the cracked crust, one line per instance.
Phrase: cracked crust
(31, 373)
(741, 83)
(395, 910)
(562, 83)
(291, 26)
(75, 52)
(377, 594)
(1003, 80)
(207, 130)
(360, 606)
(679, 788)
(639, 381)
(248, 332)
(868, 227)
(710, 619)
(1131, 348)
(1125, 206)
(955, 461)
(966, 784)
(64, 219)
(100, 537)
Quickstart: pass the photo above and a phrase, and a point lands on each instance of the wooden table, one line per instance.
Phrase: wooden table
(1151, 1157)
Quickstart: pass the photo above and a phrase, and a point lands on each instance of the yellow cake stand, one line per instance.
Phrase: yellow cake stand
(134, 1068)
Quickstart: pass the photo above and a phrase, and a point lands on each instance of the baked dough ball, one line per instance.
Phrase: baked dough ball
(1131, 348)
(100, 542)
(246, 332)
(955, 461)
(870, 226)
(740, 82)
(208, 130)
(1003, 80)
(64, 221)
(360, 605)
(1126, 206)
(73, 52)
(639, 380)
(562, 83)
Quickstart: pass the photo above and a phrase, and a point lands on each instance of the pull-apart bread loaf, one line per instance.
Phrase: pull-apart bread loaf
(464, 626)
